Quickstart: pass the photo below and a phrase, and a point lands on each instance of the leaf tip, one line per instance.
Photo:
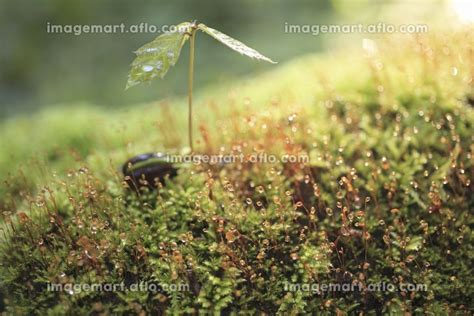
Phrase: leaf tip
(130, 83)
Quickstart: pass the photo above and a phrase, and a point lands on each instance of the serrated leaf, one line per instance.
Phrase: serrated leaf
(155, 58)
(234, 44)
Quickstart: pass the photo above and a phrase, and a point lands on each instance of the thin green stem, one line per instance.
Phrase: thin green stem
(190, 89)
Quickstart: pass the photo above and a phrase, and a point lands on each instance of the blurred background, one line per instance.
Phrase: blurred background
(38, 69)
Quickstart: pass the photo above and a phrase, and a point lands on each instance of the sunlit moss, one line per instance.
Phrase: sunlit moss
(385, 197)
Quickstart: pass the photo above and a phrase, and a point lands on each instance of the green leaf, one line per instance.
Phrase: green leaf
(155, 58)
(234, 44)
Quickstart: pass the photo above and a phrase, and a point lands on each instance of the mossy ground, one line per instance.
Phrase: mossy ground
(386, 196)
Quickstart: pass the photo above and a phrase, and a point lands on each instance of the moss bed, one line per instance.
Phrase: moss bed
(385, 198)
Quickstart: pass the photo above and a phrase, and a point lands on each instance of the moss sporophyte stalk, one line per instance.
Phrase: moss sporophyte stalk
(156, 57)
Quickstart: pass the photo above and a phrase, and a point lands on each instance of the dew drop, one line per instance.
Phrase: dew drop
(306, 179)
(299, 204)
(151, 50)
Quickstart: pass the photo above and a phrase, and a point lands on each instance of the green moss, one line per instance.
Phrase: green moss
(385, 198)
